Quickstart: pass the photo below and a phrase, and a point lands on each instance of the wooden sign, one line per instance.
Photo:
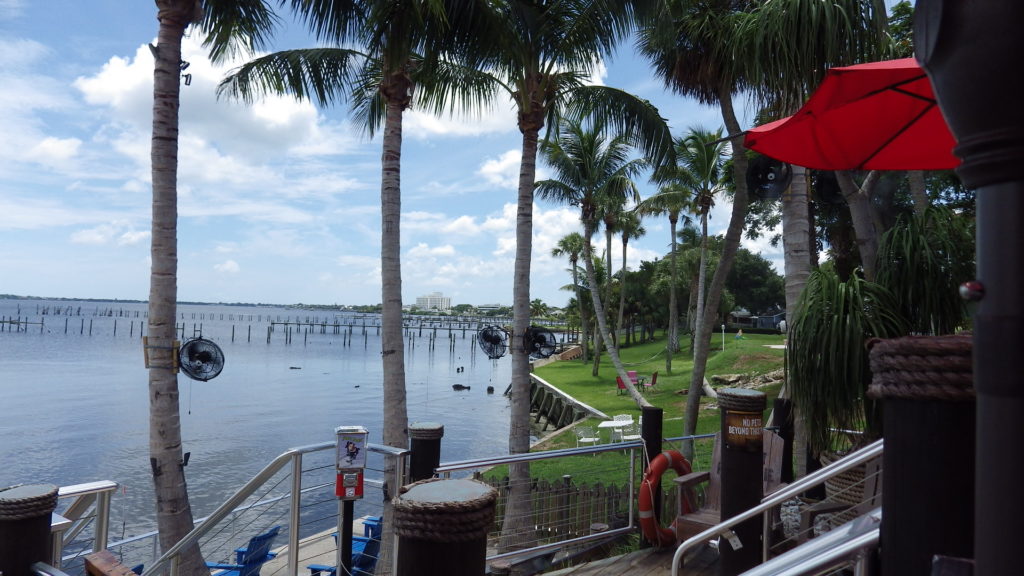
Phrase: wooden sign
(743, 430)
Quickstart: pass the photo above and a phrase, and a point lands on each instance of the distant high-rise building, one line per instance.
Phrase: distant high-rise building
(434, 301)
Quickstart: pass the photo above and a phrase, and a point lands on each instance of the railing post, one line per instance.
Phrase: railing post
(650, 431)
(927, 392)
(425, 448)
(102, 521)
(294, 508)
(742, 415)
(442, 526)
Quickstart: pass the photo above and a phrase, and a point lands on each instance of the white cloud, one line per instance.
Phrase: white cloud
(121, 233)
(423, 250)
(504, 170)
(9, 9)
(54, 151)
(498, 118)
(228, 267)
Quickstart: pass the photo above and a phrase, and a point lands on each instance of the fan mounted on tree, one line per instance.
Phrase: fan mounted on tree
(200, 359)
(493, 340)
(539, 341)
(768, 178)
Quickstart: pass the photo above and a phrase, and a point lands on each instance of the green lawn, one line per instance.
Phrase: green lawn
(749, 356)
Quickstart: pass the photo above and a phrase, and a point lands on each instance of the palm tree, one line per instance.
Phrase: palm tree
(540, 53)
(701, 155)
(671, 199)
(590, 166)
(402, 42)
(243, 23)
(629, 227)
(571, 245)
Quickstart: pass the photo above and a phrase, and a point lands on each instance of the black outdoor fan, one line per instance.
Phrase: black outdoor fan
(539, 341)
(200, 359)
(493, 340)
(768, 178)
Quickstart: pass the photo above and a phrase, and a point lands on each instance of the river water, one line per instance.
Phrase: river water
(74, 406)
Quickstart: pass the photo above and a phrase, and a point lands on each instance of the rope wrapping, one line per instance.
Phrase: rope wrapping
(923, 367)
(29, 501)
(454, 520)
(742, 400)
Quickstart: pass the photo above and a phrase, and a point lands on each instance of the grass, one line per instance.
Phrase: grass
(748, 356)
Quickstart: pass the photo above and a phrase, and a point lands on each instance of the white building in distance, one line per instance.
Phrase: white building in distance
(434, 301)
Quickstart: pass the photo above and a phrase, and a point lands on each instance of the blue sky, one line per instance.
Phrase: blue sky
(278, 202)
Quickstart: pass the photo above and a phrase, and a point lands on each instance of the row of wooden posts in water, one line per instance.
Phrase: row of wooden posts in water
(289, 330)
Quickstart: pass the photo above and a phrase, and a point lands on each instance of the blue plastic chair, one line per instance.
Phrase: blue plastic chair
(250, 558)
(365, 551)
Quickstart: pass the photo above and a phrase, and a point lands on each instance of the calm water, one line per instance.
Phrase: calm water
(74, 408)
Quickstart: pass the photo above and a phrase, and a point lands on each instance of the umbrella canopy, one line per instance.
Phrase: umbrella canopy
(876, 116)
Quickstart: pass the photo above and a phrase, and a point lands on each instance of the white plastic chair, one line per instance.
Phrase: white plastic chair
(630, 433)
(586, 435)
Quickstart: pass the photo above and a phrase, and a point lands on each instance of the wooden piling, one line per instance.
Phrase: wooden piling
(742, 433)
(443, 519)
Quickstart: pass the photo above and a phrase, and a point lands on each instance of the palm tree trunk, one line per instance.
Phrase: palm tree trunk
(579, 305)
(702, 273)
(622, 289)
(173, 511)
(673, 305)
(395, 417)
(797, 250)
(918, 191)
(714, 293)
(516, 529)
(858, 198)
(602, 324)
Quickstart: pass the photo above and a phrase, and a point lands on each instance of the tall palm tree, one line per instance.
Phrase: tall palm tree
(591, 165)
(540, 53)
(243, 23)
(571, 246)
(701, 154)
(396, 64)
(672, 199)
(629, 228)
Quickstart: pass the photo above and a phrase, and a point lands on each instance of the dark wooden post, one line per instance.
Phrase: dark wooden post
(442, 527)
(425, 448)
(650, 431)
(742, 413)
(926, 387)
(783, 409)
(25, 527)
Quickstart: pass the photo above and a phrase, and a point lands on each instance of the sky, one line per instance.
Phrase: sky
(279, 202)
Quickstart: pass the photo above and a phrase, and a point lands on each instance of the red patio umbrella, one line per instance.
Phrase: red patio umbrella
(875, 116)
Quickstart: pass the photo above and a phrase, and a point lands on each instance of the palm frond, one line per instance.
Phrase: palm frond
(320, 74)
(923, 260)
(828, 358)
(236, 27)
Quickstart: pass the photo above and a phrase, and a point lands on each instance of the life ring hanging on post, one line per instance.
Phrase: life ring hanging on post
(653, 533)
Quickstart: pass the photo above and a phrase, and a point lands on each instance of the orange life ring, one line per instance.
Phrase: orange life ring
(652, 532)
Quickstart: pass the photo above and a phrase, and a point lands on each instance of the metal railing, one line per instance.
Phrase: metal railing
(831, 550)
(90, 505)
(445, 470)
(870, 452)
(168, 562)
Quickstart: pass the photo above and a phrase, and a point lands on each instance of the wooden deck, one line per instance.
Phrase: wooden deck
(649, 562)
